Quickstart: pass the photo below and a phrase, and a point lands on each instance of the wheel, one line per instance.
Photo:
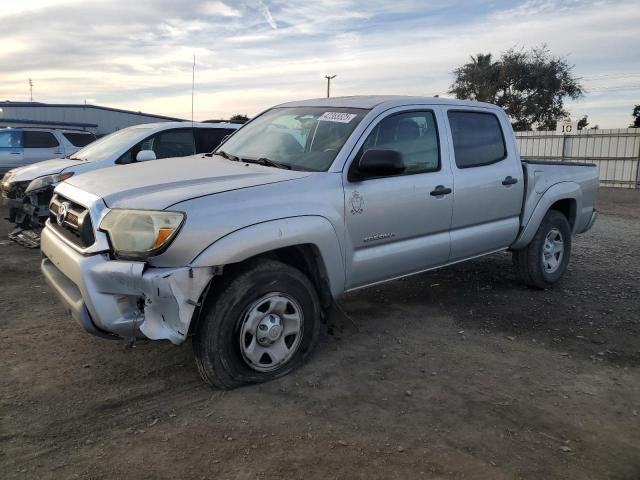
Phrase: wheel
(543, 262)
(261, 325)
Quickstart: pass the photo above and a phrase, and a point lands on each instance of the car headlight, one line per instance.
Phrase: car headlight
(46, 180)
(139, 234)
(6, 179)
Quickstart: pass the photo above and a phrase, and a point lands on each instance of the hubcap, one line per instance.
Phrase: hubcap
(270, 331)
(552, 251)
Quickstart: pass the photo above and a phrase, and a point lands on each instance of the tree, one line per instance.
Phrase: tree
(583, 123)
(530, 85)
(636, 117)
(239, 118)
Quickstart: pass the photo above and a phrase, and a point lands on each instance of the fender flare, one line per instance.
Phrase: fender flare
(559, 191)
(263, 237)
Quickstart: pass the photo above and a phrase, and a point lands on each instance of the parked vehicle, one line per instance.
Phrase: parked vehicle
(246, 249)
(28, 190)
(24, 146)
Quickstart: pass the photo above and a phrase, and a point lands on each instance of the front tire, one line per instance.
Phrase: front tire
(542, 263)
(261, 325)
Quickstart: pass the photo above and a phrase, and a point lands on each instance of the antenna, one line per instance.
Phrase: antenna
(31, 90)
(193, 86)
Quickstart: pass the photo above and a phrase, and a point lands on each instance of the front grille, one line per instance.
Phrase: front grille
(75, 225)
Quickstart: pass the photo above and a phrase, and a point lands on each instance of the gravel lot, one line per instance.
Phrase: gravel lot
(460, 373)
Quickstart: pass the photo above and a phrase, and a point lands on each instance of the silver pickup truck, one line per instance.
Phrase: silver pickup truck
(245, 249)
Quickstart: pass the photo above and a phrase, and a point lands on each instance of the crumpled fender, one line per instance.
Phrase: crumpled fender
(170, 295)
(170, 302)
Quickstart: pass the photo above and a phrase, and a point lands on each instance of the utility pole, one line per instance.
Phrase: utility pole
(31, 89)
(329, 78)
(193, 86)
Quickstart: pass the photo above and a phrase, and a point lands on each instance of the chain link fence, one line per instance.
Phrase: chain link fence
(615, 151)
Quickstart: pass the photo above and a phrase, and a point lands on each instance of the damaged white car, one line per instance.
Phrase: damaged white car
(27, 191)
(244, 250)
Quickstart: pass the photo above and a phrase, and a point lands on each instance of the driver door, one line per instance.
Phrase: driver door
(396, 225)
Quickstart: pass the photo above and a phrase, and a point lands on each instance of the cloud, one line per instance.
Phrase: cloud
(254, 53)
(217, 8)
(266, 13)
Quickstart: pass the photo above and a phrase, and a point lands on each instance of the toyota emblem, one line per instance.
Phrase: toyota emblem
(61, 215)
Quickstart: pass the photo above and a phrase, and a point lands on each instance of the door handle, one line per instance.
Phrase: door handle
(14, 153)
(440, 190)
(510, 181)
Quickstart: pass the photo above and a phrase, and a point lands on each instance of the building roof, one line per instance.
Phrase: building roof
(8, 103)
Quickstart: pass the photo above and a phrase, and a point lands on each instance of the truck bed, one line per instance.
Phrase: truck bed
(541, 175)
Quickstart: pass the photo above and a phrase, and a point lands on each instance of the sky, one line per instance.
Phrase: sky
(252, 54)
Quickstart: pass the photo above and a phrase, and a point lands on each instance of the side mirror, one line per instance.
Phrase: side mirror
(378, 163)
(145, 155)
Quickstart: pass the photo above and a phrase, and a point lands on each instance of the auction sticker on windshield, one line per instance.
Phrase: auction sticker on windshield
(340, 117)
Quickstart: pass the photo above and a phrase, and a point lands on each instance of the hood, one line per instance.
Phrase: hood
(158, 184)
(35, 170)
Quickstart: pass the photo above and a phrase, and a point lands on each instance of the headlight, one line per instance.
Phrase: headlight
(6, 179)
(46, 180)
(138, 234)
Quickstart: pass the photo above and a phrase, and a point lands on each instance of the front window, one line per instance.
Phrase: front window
(303, 138)
(110, 144)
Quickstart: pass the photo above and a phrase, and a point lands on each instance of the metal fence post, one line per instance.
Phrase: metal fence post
(638, 160)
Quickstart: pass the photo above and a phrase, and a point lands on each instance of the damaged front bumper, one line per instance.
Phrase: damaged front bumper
(112, 298)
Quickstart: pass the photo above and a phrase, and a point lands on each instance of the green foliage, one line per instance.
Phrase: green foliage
(583, 123)
(530, 85)
(239, 118)
(636, 117)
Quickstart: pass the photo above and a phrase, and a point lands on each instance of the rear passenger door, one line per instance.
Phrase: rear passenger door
(488, 182)
(40, 145)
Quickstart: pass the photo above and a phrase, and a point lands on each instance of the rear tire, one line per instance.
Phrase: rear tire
(542, 263)
(261, 325)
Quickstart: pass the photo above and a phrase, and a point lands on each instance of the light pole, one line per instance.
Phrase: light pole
(31, 89)
(329, 78)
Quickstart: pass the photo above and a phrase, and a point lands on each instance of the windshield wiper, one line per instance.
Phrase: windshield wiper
(267, 162)
(75, 158)
(228, 156)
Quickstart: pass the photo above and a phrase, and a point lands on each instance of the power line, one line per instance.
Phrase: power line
(615, 88)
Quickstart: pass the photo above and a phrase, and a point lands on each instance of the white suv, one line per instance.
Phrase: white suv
(23, 146)
(28, 190)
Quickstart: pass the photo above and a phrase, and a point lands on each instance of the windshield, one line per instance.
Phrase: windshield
(302, 138)
(110, 144)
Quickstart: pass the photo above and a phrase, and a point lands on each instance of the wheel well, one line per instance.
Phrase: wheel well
(567, 207)
(308, 260)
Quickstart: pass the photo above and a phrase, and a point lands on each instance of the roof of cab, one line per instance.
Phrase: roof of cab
(167, 125)
(372, 101)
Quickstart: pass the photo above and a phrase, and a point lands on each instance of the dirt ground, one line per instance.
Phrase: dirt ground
(459, 373)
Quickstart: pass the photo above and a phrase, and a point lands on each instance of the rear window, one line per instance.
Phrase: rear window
(78, 139)
(477, 138)
(35, 139)
(208, 139)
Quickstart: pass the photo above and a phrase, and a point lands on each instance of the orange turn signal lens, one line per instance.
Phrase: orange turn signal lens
(163, 235)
